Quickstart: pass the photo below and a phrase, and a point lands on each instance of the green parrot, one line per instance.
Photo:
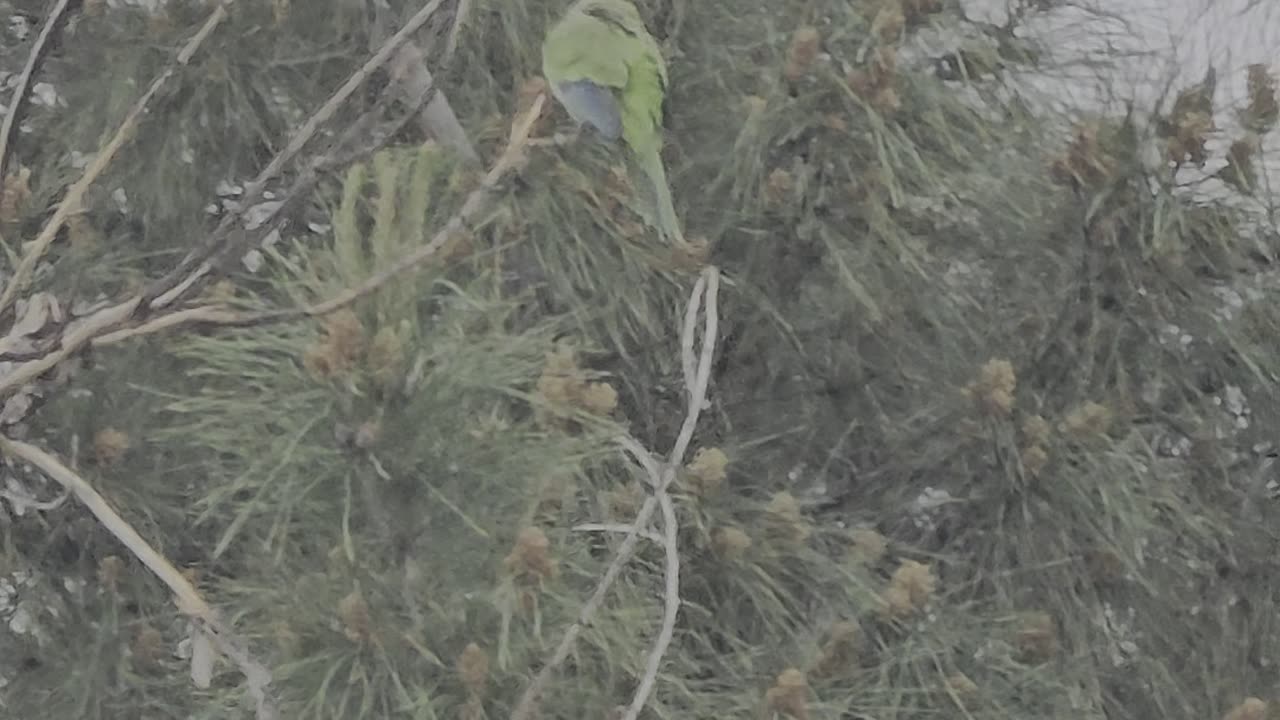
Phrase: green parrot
(607, 71)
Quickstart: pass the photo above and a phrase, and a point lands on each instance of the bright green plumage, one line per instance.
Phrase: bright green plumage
(607, 70)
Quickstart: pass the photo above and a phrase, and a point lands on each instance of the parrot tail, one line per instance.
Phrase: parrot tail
(667, 222)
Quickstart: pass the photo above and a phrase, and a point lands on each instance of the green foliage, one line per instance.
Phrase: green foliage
(928, 288)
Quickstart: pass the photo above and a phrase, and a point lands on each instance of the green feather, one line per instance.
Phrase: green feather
(667, 222)
(606, 42)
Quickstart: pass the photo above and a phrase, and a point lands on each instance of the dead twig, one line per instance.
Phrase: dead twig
(708, 283)
(361, 139)
(200, 261)
(110, 325)
(38, 52)
(99, 323)
(479, 199)
(660, 478)
(533, 693)
(206, 314)
(436, 117)
(411, 76)
(72, 201)
(455, 29)
(618, 528)
(188, 599)
(671, 575)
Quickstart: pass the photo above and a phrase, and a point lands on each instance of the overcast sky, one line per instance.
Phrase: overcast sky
(1166, 39)
(1175, 35)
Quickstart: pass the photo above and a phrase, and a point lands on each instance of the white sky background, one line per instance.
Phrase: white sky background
(1177, 37)
(1151, 43)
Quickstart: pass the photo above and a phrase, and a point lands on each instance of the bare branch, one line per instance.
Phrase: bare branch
(533, 693)
(99, 323)
(698, 396)
(646, 461)
(188, 599)
(688, 361)
(617, 528)
(199, 262)
(710, 279)
(205, 314)
(357, 141)
(71, 202)
(109, 325)
(660, 479)
(479, 199)
(411, 75)
(36, 56)
(670, 606)
(459, 17)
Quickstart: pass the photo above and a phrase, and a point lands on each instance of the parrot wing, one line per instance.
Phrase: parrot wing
(643, 96)
(591, 104)
(607, 70)
(581, 63)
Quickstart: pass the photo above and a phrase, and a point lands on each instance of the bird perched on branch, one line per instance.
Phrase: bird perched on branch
(607, 71)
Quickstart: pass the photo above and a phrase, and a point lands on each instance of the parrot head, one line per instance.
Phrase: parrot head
(622, 13)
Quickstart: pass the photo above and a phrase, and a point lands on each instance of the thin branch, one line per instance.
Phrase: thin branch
(478, 200)
(198, 263)
(671, 599)
(652, 470)
(72, 201)
(108, 325)
(34, 58)
(618, 528)
(206, 314)
(670, 607)
(410, 74)
(533, 693)
(357, 141)
(352, 84)
(708, 284)
(98, 323)
(188, 599)
(687, 358)
(459, 17)
(196, 266)
(711, 276)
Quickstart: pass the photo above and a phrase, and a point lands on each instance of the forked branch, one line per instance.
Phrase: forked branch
(659, 477)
